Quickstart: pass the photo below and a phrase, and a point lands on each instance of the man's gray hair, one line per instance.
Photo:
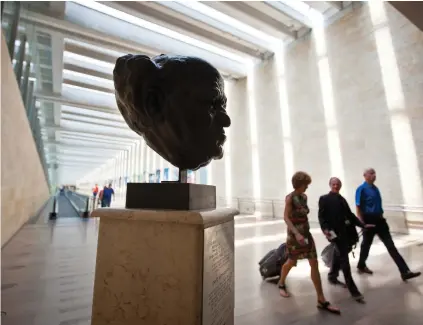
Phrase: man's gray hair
(368, 170)
(333, 178)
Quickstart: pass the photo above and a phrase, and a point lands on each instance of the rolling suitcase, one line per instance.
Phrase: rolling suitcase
(271, 264)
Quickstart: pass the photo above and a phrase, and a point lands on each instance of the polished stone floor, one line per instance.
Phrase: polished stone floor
(48, 271)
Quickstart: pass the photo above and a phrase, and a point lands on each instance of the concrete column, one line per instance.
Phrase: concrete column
(126, 164)
(115, 172)
(14, 28)
(31, 111)
(20, 59)
(25, 81)
(29, 96)
(32, 114)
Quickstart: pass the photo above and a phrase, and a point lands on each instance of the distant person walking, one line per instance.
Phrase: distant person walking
(107, 195)
(95, 190)
(300, 243)
(369, 210)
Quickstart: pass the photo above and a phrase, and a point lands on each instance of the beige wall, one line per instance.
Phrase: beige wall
(23, 186)
(370, 98)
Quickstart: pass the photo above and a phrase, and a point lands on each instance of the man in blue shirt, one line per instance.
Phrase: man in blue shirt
(107, 196)
(369, 210)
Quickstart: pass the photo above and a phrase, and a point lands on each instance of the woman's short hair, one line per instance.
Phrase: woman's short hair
(300, 179)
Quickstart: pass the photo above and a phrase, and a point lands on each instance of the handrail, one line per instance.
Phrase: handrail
(273, 207)
(83, 204)
(278, 203)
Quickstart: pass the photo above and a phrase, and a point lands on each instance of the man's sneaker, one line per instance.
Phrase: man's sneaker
(410, 275)
(364, 270)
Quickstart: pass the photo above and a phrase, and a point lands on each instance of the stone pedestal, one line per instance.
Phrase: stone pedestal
(164, 268)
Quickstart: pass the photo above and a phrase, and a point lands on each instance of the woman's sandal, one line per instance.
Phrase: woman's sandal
(283, 291)
(328, 307)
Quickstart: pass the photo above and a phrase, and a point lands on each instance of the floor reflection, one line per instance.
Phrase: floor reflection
(48, 272)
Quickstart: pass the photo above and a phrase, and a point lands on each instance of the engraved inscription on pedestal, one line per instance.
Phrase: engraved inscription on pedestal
(218, 275)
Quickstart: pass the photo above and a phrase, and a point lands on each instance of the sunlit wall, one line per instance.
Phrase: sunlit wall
(344, 99)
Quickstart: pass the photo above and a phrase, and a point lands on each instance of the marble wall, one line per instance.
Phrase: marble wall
(23, 185)
(345, 98)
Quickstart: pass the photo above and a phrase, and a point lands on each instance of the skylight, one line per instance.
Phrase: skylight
(215, 14)
(161, 30)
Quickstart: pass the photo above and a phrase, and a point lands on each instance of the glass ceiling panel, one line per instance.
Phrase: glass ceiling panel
(96, 128)
(142, 36)
(94, 48)
(94, 120)
(78, 110)
(88, 79)
(89, 96)
(123, 16)
(88, 63)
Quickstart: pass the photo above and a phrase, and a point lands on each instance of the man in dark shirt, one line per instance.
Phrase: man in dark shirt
(338, 224)
(369, 209)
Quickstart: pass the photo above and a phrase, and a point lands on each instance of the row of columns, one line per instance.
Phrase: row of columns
(134, 164)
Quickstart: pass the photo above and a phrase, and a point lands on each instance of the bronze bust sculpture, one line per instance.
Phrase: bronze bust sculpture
(176, 103)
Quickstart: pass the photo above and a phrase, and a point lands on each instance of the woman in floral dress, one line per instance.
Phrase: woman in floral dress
(300, 243)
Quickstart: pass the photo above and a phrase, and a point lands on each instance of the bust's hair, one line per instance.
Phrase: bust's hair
(300, 179)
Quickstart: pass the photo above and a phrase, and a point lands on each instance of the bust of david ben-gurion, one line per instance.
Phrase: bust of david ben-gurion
(176, 103)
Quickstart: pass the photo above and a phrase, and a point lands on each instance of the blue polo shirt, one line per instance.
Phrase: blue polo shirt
(107, 194)
(368, 198)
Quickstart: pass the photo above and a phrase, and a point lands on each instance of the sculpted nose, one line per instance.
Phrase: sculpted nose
(223, 119)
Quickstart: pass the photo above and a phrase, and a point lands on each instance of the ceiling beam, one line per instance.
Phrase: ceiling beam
(69, 145)
(336, 4)
(88, 86)
(163, 16)
(76, 165)
(98, 152)
(92, 140)
(50, 24)
(57, 98)
(95, 141)
(243, 12)
(88, 132)
(205, 17)
(122, 127)
(101, 118)
(59, 161)
(75, 68)
(89, 53)
(80, 154)
(290, 12)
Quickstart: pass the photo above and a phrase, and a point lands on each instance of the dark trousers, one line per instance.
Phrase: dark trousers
(341, 261)
(105, 203)
(382, 230)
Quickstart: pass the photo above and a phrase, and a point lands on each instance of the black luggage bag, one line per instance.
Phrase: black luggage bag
(271, 264)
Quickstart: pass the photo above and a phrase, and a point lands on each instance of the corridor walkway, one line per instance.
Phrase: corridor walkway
(48, 272)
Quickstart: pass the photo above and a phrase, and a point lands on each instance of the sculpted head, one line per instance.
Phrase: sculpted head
(176, 103)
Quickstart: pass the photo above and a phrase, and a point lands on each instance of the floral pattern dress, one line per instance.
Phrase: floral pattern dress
(299, 218)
